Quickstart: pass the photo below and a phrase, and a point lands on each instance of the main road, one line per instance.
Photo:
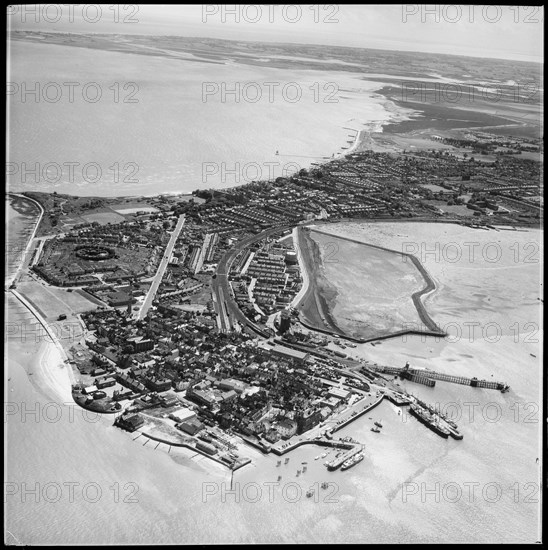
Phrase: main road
(161, 269)
(221, 286)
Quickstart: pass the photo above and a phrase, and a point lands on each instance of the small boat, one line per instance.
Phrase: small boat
(298, 473)
(376, 430)
(279, 478)
(310, 493)
(378, 424)
(304, 469)
(324, 455)
(286, 460)
(279, 462)
(324, 485)
(316, 458)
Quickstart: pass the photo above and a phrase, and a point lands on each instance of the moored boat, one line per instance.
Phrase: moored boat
(352, 461)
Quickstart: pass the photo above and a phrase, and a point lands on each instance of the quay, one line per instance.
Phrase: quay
(353, 416)
(338, 462)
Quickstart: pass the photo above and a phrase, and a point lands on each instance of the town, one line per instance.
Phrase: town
(194, 339)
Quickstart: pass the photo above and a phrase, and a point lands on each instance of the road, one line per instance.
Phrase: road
(221, 286)
(161, 269)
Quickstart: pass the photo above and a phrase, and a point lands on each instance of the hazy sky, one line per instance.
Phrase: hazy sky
(479, 31)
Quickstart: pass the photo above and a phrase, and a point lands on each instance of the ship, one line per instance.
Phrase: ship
(428, 420)
(352, 461)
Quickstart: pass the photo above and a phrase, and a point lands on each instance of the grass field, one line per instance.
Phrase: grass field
(134, 208)
(52, 302)
(103, 217)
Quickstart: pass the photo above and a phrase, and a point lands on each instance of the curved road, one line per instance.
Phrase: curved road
(221, 286)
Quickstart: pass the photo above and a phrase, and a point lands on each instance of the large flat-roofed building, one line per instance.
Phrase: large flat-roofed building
(338, 393)
(182, 415)
(289, 353)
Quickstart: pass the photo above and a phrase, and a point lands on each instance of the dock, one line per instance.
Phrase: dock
(338, 462)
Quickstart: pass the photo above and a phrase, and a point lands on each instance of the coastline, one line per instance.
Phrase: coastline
(315, 296)
(52, 360)
(12, 277)
(56, 370)
(302, 266)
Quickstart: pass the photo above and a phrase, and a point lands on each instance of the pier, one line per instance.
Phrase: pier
(427, 377)
(338, 462)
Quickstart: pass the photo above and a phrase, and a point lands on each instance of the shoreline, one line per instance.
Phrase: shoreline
(11, 278)
(315, 292)
(53, 375)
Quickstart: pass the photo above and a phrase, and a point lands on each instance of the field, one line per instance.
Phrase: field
(103, 217)
(135, 209)
(364, 291)
(52, 302)
(459, 209)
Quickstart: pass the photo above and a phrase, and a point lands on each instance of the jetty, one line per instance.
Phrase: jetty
(428, 377)
(337, 462)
